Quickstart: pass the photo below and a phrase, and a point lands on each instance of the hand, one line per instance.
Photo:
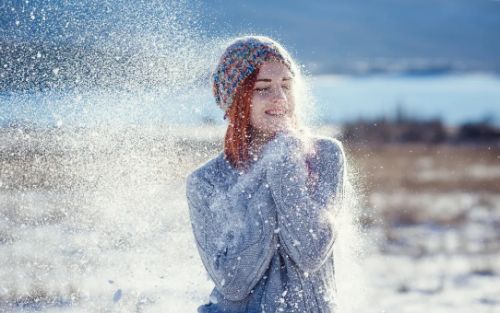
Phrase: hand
(286, 123)
(284, 145)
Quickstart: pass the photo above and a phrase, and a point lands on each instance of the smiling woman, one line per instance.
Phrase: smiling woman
(272, 107)
(262, 210)
(263, 106)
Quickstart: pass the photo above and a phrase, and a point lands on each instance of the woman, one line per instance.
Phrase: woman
(261, 209)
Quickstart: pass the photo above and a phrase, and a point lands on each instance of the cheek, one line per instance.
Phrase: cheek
(259, 119)
(256, 114)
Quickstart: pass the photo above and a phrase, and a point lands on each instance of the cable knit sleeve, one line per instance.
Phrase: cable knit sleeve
(234, 235)
(305, 190)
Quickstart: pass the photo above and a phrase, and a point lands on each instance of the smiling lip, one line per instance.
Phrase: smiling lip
(276, 112)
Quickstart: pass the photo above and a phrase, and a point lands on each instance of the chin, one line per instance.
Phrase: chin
(274, 126)
(275, 129)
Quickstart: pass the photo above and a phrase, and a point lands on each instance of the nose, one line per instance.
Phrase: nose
(279, 95)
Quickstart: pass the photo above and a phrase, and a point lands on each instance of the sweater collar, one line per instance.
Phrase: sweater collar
(226, 167)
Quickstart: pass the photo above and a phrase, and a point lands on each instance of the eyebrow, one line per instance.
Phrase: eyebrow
(267, 80)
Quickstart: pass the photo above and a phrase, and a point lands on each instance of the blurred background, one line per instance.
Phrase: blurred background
(106, 106)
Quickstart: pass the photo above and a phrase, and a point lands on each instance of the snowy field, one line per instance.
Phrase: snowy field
(96, 221)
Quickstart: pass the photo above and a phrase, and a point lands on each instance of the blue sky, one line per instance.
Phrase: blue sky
(329, 36)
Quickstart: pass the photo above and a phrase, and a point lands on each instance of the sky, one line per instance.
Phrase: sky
(354, 36)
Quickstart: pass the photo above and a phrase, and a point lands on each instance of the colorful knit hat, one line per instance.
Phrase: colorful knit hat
(239, 60)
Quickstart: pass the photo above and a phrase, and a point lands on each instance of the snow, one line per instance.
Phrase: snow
(126, 243)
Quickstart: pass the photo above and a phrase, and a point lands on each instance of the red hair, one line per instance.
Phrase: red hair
(238, 133)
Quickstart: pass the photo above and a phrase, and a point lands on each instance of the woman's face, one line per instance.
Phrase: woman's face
(272, 107)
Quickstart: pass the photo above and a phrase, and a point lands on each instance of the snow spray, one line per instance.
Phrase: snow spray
(93, 157)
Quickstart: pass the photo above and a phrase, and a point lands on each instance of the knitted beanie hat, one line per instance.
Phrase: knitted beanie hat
(243, 56)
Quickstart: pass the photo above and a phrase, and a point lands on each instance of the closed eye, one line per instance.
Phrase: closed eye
(261, 89)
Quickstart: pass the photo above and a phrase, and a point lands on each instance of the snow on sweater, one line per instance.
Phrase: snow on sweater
(265, 235)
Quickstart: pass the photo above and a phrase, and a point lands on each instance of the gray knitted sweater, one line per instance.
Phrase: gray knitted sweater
(265, 235)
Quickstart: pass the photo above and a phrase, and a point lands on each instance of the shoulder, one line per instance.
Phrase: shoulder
(328, 147)
(204, 175)
(328, 154)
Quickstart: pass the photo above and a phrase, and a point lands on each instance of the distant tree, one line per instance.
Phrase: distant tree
(478, 132)
(400, 130)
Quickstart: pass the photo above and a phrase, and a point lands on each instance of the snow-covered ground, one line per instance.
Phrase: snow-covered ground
(99, 223)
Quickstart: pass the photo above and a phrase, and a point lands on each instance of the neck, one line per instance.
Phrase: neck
(259, 139)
